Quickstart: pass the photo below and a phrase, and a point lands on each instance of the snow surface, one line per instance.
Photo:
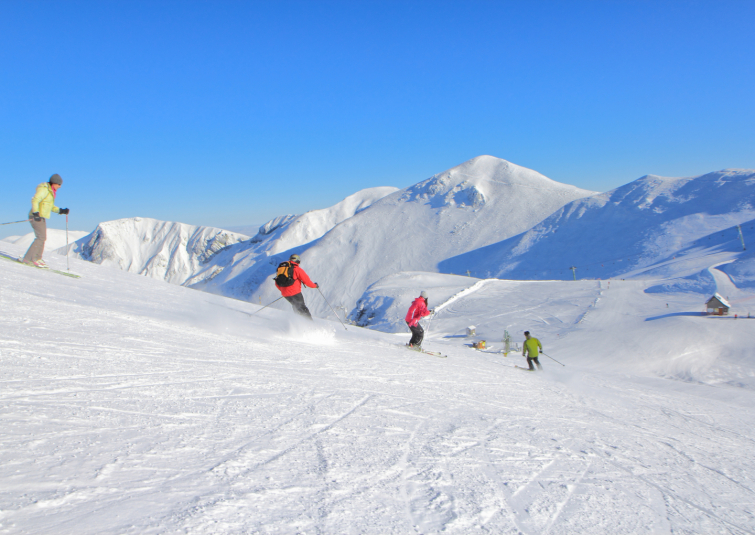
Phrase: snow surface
(134, 406)
(55, 239)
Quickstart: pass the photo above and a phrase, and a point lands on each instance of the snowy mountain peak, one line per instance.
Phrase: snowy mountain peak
(472, 183)
(722, 189)
(161, 249)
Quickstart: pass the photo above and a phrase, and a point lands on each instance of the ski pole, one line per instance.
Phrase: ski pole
(68, 267)
(430, 322)
(267, 305)
(554, 360)
(331, 308)
(14, 222)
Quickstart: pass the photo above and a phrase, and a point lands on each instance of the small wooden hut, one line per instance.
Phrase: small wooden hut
(717, 306)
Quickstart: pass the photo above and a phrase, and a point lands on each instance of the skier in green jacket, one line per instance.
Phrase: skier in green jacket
(42, 204)
(530, 350)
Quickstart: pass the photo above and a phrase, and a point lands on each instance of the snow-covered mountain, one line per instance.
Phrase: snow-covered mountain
(289, 231)
(474, 204)
(486, 217)
(163, 250)
(238, 271)
(626, 231)
(188, 255)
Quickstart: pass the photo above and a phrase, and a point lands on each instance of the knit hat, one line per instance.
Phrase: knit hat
(55, 179)
(423, 294)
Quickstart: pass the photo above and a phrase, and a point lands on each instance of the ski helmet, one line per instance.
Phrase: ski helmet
(55, 179)
(295, 258)
(423, 294)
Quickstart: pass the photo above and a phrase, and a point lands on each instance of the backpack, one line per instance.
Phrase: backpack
(284, 277)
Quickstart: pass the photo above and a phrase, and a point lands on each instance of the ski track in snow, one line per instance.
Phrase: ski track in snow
(131, 406)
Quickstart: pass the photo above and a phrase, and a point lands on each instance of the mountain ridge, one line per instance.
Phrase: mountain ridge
(640, 222)
(490, 218)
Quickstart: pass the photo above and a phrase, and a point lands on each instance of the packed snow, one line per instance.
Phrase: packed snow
(134, 406)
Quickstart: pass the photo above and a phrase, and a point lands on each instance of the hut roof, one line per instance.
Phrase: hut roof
(717, 296)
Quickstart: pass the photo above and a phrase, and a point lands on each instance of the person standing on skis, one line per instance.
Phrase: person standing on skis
(42, 204)
(416, 312)
(288, 280)
(530, 350)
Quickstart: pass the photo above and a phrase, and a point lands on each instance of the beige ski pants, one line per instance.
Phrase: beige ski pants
(37, 247)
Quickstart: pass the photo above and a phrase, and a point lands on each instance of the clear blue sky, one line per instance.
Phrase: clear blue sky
(230, 113)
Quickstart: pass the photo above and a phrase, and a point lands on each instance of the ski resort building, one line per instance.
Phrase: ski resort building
(717, 306)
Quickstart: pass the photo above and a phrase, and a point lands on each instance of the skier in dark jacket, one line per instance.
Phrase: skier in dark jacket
(42, 204)
(416, 312)
(293, 293)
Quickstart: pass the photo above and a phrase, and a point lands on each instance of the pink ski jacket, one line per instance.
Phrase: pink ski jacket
(417, 311)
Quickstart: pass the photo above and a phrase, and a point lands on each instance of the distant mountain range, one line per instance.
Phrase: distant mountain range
(625, 232)
(486, 217)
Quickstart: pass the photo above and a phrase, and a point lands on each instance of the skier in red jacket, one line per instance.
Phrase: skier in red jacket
(417, 311)
(292, 292)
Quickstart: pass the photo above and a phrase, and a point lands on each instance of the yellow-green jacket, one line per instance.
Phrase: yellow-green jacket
(531, 346)
(43, 201)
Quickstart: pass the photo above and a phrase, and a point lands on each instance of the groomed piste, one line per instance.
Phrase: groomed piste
(134, 406)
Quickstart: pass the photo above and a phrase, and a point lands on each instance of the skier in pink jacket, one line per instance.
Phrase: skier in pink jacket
(417, 311)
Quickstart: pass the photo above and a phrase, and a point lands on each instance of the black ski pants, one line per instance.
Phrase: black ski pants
(531, 360)
(418, 333)
(297, 301)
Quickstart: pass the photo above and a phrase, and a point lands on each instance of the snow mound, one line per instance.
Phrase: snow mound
(163, 250)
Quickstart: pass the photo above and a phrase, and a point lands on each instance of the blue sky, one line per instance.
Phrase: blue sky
(230, 113)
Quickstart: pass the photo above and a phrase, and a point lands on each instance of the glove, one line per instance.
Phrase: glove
(317, 285)
(64, 211)
(36, 216)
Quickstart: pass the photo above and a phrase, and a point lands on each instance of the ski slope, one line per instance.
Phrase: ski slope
(134, 406)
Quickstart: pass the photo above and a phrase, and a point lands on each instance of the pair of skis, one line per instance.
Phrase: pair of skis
(426, 352)
(5, 256)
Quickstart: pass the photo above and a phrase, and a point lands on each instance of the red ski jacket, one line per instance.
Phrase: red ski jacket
(299, 277)
(417, 311)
